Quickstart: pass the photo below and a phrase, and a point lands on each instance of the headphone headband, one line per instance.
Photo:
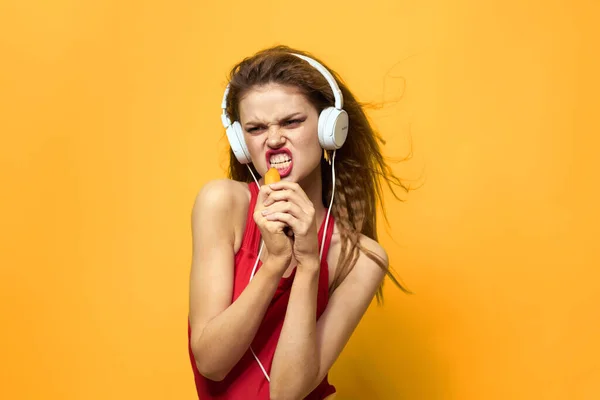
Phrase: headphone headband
(337, 93)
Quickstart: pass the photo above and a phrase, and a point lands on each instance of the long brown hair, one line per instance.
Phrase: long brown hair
(359, 162)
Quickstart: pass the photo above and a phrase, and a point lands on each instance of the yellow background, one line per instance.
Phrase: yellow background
(109, 113)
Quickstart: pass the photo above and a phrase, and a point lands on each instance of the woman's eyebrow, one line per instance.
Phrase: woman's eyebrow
(290, 116)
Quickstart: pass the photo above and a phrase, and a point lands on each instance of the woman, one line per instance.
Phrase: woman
(282, 273)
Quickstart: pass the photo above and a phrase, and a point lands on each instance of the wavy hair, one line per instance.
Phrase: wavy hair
(360, 165)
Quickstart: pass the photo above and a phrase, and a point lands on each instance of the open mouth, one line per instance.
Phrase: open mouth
(281, 161)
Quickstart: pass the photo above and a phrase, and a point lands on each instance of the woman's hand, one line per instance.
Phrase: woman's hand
(287, 203)
(278, 245)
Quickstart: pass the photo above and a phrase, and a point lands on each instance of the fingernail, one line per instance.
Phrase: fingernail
(264, 212)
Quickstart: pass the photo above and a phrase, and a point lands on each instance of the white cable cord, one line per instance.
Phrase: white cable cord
(261, 245)
(255, 180)
(264, 371)
(260, 365)
(330, 204)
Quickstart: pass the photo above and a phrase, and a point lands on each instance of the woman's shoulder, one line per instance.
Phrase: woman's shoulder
(229, 199)
(363, 262)
(374, 247)
(223, 193)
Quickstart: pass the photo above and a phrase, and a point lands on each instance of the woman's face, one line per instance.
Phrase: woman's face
(280, 129)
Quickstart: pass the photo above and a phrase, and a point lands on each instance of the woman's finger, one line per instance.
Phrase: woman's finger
(288, 219)
(286, 195)
(286, 207)
(293, 186)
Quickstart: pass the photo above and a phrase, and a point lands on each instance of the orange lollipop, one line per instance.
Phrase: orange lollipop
(272, 176)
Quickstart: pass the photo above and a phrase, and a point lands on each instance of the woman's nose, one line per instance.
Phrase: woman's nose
(276, 137)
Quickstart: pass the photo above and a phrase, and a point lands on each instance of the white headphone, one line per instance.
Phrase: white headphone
(332, 128)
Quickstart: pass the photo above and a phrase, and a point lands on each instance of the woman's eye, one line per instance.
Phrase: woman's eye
(293, 122)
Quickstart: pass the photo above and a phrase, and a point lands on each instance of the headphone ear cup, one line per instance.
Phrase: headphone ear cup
(235, 136)
(323, 134)
(333, 128)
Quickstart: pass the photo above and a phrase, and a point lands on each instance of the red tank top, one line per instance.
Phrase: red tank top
(246, 380)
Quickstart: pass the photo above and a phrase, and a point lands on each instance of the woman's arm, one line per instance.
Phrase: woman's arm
(222, 331)
(296, 359)
(307, 348)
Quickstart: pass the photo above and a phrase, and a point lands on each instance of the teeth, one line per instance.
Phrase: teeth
(279, 158)
(282, 165)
